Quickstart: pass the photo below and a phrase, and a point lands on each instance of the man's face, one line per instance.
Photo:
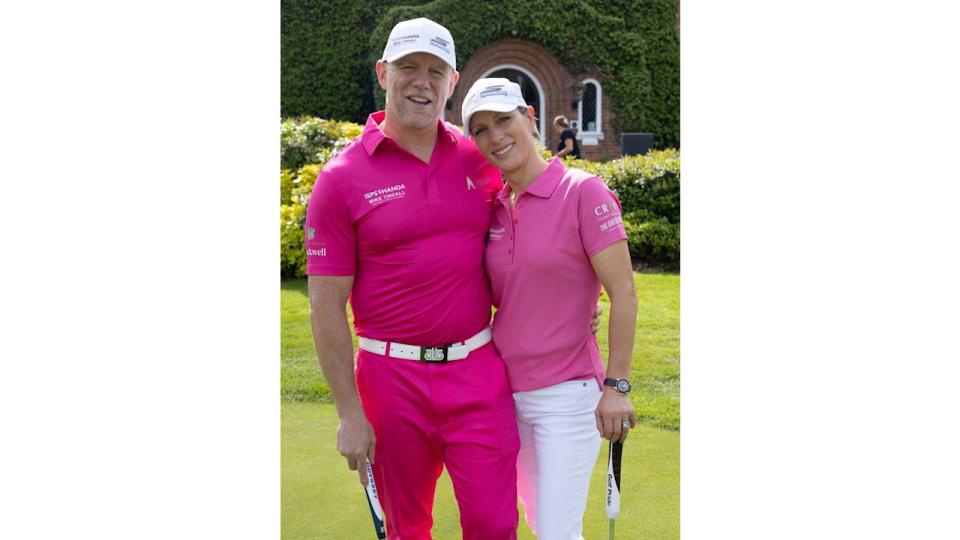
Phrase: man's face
(417, 87)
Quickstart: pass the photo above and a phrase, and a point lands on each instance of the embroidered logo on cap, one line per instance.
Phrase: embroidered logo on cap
(441, 44)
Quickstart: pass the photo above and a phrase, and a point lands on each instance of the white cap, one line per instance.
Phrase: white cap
(420, 35)
(494, 94)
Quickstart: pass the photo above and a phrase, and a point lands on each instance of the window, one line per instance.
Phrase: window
(590, 112)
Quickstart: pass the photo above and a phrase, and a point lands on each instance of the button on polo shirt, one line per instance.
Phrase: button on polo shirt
(544, 287)
(411, 233)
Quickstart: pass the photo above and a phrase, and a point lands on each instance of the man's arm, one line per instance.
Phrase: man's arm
(331, 337)
(612, 265)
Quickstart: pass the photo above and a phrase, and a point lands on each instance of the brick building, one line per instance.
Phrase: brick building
(548, 86)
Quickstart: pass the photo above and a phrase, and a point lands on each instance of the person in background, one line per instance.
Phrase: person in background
(555, 236)
(567, 143)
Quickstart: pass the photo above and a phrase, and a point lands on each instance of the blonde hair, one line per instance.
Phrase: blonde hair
(536, 132)
(561, 121)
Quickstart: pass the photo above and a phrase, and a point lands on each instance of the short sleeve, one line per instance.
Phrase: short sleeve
(600, 221)
(330, 236)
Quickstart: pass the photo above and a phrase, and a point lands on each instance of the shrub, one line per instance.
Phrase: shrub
(653, 242)
(650, 182)
(648, 188)
(313, 140)
(293, 213)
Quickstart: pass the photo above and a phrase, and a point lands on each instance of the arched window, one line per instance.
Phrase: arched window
(529, 85)
(590, 112)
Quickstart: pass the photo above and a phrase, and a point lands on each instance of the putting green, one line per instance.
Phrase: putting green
(322, 499)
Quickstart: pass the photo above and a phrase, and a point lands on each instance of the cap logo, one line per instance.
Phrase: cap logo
(441, 44)
(492, 91)
(409, 38)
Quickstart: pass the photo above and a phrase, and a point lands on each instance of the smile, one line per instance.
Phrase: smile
(502, 152)
(419, 100)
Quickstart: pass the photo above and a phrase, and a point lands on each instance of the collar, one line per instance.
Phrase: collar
(543, 185)
(372, 135)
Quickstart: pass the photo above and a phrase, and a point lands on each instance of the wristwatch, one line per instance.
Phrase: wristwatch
(622, 385)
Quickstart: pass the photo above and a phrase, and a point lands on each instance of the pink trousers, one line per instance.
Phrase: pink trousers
(426, 416)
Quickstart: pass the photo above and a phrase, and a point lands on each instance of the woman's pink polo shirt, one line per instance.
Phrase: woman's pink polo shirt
(545, 290)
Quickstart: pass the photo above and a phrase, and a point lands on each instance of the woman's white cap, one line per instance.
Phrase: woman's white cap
(493, 94)
(420, 35)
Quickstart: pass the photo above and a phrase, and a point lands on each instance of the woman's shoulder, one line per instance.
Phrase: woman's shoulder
(580, 177)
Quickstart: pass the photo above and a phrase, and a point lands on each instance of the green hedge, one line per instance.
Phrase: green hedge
(329, 47)
(648, 188)
(312, 140)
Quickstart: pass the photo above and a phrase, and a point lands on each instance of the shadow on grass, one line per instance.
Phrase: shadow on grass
(294, 285)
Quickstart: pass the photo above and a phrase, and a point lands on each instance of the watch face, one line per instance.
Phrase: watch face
(623, 386)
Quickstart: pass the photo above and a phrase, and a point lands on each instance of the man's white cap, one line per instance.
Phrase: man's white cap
(493, 94)
(420, 35)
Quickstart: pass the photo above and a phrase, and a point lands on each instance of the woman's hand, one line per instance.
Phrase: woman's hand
(615, 415)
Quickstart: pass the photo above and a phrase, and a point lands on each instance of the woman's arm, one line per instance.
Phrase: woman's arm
(612, 266)
(567, 148)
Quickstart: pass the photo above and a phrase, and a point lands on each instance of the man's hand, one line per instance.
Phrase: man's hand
(614, 408)
(595, 321)
(356, 442)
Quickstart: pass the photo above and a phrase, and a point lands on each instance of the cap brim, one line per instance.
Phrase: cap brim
(401, 54)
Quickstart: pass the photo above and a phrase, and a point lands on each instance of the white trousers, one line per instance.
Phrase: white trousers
(559, 443)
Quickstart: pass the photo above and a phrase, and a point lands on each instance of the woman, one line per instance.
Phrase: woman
(555, 235)
(567, 143)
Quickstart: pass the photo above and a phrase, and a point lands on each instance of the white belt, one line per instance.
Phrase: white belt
(454, 351)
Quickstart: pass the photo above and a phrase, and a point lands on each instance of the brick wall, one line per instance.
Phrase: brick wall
(555, 80)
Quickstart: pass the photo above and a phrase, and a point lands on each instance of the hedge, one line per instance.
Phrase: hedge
(329, 48)
(648, 188)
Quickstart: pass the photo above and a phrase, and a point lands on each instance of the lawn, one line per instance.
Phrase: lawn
(321, 498)
(656, 354)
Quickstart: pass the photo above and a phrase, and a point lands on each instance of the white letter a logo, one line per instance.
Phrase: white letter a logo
(470, 184)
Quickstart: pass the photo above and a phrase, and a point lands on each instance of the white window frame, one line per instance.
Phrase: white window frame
(590, 138)
(536, 83)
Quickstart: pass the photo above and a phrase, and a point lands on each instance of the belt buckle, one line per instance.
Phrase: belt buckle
(434, 355)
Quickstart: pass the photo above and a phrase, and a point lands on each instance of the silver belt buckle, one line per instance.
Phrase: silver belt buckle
(433, 354)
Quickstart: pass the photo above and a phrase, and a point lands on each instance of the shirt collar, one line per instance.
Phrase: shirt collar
(372, 135)
(545, 184)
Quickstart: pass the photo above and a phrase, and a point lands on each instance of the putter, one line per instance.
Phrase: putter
(613, 483)
(376, 512)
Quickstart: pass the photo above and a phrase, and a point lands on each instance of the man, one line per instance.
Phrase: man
(397, 222)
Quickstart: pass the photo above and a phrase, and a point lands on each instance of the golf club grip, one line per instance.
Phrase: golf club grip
(373, 501)
(616, 450)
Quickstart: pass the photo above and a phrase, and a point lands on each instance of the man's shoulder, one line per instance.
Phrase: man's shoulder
(352, 155)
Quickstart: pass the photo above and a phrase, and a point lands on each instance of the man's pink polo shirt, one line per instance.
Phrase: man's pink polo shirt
(545, 290)
(411, 233)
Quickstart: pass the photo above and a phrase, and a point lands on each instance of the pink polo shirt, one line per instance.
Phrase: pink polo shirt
(545, 290)
(412, 235)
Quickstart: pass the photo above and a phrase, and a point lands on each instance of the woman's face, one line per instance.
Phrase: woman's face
(504, 138)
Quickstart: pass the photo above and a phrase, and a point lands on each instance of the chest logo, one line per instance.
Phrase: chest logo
(470, 184)
(378, 196)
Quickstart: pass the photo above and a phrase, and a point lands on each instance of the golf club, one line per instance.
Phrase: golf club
(376, 512)
(613, 483)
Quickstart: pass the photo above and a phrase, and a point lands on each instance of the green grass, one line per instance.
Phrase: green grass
(321, 498)
(656, 358)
